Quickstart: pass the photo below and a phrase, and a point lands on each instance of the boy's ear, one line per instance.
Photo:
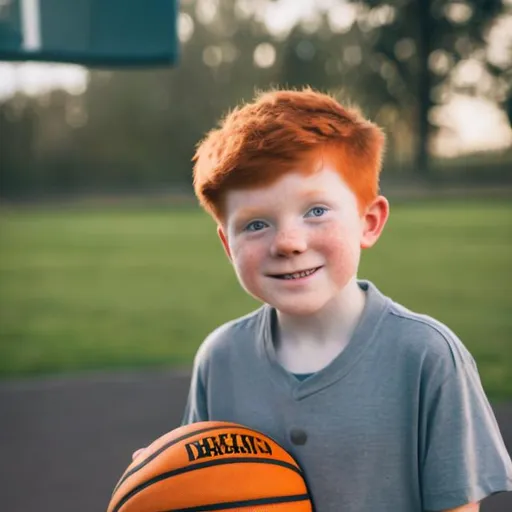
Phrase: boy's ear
(224, 240)
(374, 220)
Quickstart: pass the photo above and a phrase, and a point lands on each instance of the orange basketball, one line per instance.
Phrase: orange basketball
(212, 466)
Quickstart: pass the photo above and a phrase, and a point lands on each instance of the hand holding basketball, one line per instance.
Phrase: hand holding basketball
(138, 452)
(215, 466)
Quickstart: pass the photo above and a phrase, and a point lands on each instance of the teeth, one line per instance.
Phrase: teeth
(297, 275)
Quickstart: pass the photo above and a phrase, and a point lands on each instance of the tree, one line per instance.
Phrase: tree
(424, 44)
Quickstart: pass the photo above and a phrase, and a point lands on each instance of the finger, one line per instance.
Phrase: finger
(138, 452)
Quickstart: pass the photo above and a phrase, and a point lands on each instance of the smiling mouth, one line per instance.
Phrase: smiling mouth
(297, 275)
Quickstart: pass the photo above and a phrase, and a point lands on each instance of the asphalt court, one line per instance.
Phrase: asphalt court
(65, 442)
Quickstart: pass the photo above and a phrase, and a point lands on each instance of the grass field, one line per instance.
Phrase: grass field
(88, 289)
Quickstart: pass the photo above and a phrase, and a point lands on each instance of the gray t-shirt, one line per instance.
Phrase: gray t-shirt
(398, 422)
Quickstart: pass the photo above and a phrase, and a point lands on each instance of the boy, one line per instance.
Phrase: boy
(382, 407)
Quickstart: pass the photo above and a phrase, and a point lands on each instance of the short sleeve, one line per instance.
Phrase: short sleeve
(463, 458)
(196, 407)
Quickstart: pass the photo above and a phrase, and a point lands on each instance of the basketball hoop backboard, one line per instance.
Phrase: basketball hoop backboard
(90, 32)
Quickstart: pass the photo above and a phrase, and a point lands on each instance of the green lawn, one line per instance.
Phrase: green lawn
(88, 289)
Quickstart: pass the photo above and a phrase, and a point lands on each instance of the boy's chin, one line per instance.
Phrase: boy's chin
(298, 308)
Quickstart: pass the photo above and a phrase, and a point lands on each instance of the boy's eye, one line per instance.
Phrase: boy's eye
(317, 211)
(255, 225)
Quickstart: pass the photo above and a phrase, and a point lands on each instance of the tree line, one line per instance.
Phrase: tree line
(137, 129)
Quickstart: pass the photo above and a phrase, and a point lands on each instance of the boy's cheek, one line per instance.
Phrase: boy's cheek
(344, 269)
(335, 242)
(246, 262)
(342, 255)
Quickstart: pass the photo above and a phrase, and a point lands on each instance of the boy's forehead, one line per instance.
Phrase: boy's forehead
(248, 201)
(303, 186)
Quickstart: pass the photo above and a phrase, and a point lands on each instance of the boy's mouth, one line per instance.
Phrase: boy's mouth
(297, 275)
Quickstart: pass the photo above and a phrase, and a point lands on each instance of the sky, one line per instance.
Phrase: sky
(462, 134)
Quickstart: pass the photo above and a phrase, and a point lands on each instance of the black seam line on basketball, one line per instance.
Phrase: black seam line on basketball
(245, 503)
(158, 452)
(177, 440)
(201, 465)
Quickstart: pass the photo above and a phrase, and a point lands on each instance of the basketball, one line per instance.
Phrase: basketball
(212, 466)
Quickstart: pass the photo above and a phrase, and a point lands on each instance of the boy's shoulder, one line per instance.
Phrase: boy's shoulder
(238, 334)
(426, 339)
(417, 339)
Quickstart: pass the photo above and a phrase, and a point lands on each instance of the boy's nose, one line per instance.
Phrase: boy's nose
(288, 242)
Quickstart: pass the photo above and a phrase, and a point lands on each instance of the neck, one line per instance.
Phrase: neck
(333, 324)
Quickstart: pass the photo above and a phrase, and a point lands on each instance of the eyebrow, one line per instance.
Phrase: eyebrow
(311, 195)
(247, 213)
(251, 212)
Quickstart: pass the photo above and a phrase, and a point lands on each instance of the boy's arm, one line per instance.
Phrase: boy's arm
(196, 407)
(462, 455)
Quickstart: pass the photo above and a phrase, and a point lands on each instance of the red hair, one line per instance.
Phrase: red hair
(280, 131)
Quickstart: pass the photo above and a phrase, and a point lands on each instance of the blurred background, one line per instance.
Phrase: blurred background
(107, 263)
(111, 276)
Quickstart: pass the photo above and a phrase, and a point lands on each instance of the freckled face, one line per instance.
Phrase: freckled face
(296, 243)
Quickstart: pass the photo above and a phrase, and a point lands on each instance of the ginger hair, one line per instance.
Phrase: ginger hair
(285, 131)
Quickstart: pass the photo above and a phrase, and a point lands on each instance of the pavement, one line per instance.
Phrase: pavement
(64, 442)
